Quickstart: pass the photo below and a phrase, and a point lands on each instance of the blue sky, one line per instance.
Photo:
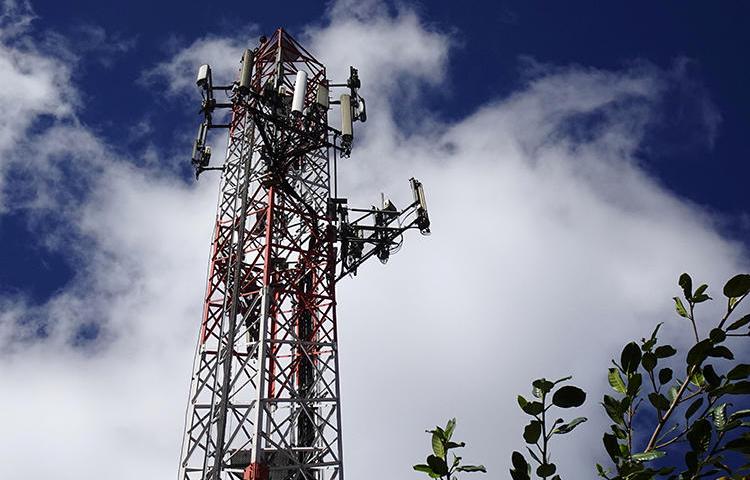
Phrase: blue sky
(573, 152)
(695, 145)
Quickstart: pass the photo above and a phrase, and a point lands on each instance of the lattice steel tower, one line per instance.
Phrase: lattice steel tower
(264, 398)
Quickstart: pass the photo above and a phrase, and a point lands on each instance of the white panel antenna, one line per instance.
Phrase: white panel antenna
(300, 88)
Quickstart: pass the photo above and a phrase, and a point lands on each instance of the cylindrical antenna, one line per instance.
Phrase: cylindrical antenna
(322, 96)
(346, 116)
(300, 87)
(246, 73)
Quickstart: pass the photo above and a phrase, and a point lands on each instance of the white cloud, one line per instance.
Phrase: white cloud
(15, 18)
(551, 247)
(35, 86)
(223, 54)
(390, 51)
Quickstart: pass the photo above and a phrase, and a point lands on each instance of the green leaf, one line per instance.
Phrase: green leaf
(665, 351)
(648, 361)
(739, 372)
(625, 403)
(570, 396)
(658, 400)
(697, 378)
(519, 475)
(519, 461)
(437, 465)
(693, 408)
(666, 471)
(634, 385)
(568, 427)
(739, 414)
(711, 377)
(614, 409)
(624, 450)
(601, 471)
(679, 307)
(619, 432)
(739, 388)
(532, 431)
(665, 375)
(522, 402)
(700, 290)
(740, 323)
(672, 393)
(451, 445)
(533, 408)
(717, 335)
(699, 435)
(687, 285)
(741, 444)
(439, 431)
(449, 428)
(646, 456)
(719, 414)
(541, 387)
(616, 381)
(701, 298)
(648, 345)
(737, 286)
(630, 357)
(437, 445)
(546, 470)
(699, 352)
(612, 447)
(471, 468)
(721, 352)
(423, 468)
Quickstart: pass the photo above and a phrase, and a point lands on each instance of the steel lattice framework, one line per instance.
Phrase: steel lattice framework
(264, 398)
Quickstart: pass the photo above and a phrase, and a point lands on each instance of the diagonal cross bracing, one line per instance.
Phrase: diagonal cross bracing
(264, 395)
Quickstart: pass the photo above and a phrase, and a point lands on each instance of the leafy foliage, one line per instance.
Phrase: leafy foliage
(437, 464)
(685, 408)
(695, 443)
(539, 432)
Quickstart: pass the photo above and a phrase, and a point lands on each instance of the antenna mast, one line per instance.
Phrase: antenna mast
(264, 399)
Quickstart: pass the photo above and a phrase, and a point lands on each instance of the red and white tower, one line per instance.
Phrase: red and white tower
(264, 398)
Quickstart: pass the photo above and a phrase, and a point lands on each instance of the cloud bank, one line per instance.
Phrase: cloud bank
(551, 246)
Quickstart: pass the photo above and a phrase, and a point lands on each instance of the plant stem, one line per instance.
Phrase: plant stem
(670, 442)
(630, 431)
(677, 398)
(708, 455)
(692, 395)
(668, 413)
(692, 320)
(544, 429)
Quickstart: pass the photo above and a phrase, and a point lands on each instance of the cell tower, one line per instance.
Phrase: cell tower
(264, 398)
